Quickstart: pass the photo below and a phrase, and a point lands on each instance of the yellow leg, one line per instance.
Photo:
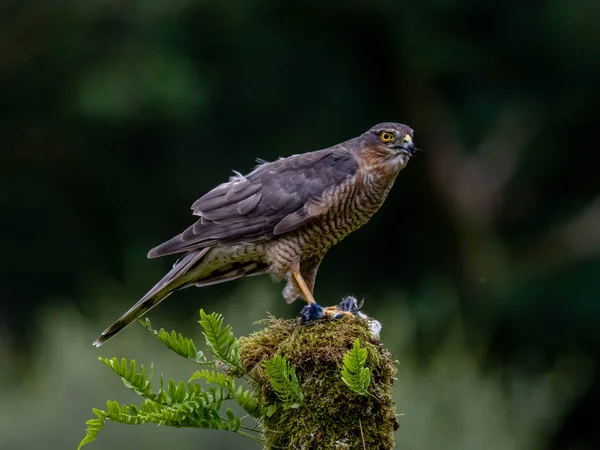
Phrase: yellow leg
(302, 284)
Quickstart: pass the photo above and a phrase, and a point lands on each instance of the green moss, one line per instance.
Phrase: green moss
(331, 415)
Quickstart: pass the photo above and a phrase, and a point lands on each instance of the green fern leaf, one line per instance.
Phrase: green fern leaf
(161, 397)
(354, 373)
(245, 398)
(220, 341)
(248, 401)
(214, 377)
(284, 381)
(187, 404)
(178, 392)
(138, 382)
(233, 422)
(128, 414)
(94, 426)
(177, 342)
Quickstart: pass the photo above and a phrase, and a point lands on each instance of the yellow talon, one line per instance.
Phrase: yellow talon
(302, 284)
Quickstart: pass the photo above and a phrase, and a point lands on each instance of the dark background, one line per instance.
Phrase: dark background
(483, 264)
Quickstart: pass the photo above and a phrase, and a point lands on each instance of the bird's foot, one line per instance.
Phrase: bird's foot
(347, 307)
(311, 312)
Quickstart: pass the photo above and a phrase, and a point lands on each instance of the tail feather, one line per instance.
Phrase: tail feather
(154, 296)
(175, 280)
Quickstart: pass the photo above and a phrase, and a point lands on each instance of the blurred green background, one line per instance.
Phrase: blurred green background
(483, 264)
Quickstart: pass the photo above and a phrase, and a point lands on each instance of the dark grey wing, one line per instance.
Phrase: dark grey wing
(273, 199)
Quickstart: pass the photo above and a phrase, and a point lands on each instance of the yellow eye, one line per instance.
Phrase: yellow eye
(386, 136)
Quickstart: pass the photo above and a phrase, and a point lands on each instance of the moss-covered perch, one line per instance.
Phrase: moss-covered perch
(321, 385)
(331, 416)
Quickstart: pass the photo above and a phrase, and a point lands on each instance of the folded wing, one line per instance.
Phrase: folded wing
(271, 200)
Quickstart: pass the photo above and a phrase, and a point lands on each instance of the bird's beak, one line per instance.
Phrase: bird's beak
(408, 146)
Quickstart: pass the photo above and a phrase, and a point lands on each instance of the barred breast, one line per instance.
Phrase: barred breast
(347, 207)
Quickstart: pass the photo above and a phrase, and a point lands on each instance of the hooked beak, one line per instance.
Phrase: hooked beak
(407, 146)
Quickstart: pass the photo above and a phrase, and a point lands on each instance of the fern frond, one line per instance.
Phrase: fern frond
(189, 406)
(245, 398)
(220, 341)
(214, 377)
(94, 426)
(161, 396)
(234, 423)
(129, 414)
(284, 382)
(177, 342)
(182, 404)
(248, 401)
(354, 373)
(138, 382)
(177, 392)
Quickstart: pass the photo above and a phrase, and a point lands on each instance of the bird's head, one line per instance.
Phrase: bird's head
(388, 143)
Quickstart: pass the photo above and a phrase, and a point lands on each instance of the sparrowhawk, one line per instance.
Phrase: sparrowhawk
(281, 218)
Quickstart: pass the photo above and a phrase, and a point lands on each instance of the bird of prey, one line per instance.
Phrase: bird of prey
(281, 218)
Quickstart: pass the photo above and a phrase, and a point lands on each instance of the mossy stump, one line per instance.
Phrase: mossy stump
(331, 415)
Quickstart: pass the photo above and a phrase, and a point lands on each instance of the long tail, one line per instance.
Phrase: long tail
(175, 279)
(154, 296)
